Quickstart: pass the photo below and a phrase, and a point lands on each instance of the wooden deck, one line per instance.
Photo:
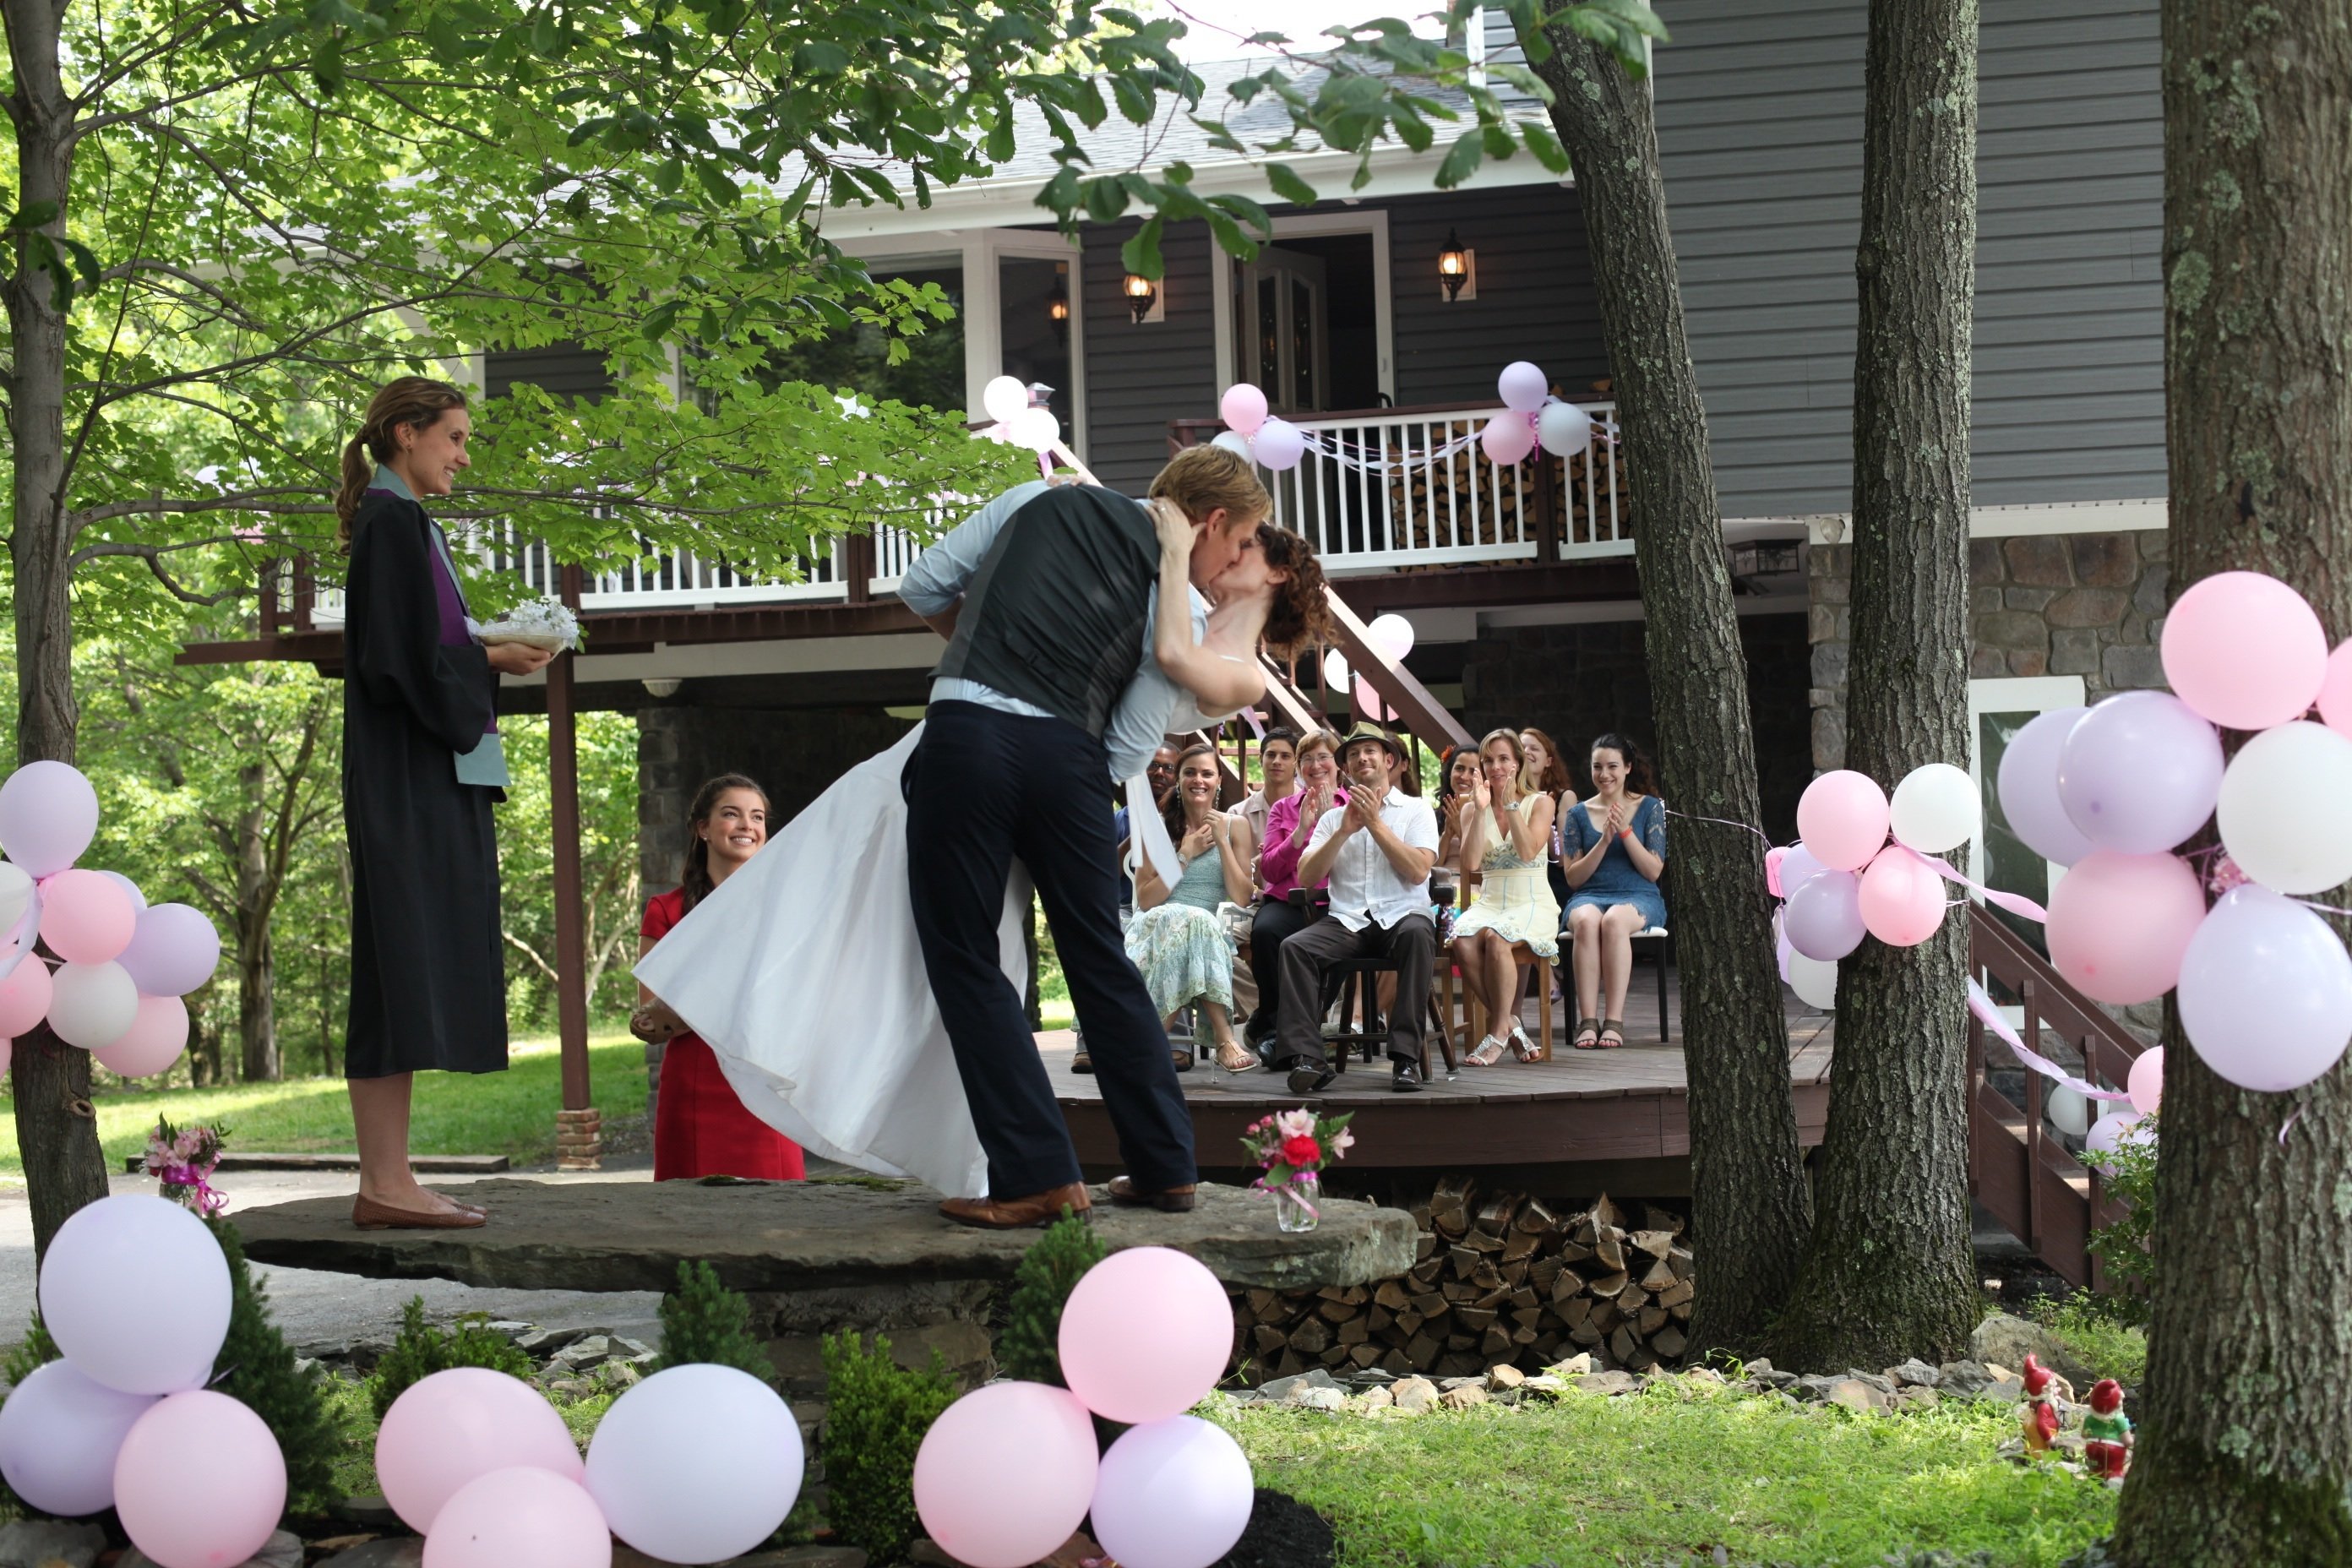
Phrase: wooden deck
(1581, 1107)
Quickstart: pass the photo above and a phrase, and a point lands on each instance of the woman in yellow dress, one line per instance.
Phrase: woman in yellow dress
(1505, 839)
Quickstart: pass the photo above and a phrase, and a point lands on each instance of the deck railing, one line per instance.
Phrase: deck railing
(2018, 1167)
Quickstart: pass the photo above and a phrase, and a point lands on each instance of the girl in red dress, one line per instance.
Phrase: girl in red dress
(700, 1128)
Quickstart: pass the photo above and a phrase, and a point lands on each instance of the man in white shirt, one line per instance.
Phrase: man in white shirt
(1377, 850)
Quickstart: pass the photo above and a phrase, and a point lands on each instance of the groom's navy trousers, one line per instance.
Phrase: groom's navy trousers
(985, 787)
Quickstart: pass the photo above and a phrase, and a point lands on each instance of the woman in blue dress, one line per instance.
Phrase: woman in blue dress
(1177, 940)
(1613, 851)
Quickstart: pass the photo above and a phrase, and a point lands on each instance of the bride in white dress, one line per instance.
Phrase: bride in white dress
(802, 970)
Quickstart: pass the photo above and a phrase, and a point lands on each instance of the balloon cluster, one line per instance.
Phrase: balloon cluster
(1535, 416)
(1018, 420)
(124, 1420)
(1251, 432)
(1144, 1337)
(1844, 880)
(696, 1464)
(123, 966)
(2264, 986)
(1393, 635)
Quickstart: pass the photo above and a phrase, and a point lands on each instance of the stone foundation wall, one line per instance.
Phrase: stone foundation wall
(1575, 682)
(2085, 603)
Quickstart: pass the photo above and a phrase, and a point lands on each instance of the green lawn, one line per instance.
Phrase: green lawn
(1666, 1476)
(510, 1113)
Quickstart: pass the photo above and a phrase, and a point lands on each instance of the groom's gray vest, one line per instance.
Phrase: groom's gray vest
(1055, 613)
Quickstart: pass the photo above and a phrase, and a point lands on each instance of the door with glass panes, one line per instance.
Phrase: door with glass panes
(1283, 323)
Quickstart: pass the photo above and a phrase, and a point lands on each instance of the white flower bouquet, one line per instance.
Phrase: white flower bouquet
(546, 622)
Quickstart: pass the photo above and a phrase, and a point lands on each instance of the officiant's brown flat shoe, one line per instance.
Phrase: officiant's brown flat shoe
(369, 1215)
(1167, 1200)
(1017, 1213)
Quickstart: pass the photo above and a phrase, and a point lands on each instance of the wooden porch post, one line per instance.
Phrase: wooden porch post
(578, 1144)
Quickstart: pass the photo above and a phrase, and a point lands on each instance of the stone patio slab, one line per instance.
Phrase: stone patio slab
(798, 1235)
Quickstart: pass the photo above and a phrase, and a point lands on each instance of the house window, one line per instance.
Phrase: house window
(1997, 710)
(857, 357)
(1035, 338)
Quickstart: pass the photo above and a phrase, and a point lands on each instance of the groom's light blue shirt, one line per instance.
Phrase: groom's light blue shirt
(1150, 704)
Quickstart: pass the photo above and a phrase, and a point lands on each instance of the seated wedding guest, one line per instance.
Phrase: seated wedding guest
(1177, 940)
(1376, 852)
(1457, 777)
(1161, 774)
(1546, 773)
(1613, 848)
(1505, 834)
(1290, 824)
(700, 1128)
(1279, 766)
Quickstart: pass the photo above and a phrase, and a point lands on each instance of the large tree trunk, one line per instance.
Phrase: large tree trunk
(1750, 1204)
(257, 900)
(1888, 1274)
(2245, 1451)
(56, 1131)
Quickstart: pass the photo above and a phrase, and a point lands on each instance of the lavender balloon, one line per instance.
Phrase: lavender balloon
(48, 815)
(173, 951)
(1172, 1494)
(1797, 865)
(2028, 787)
(60, 1434)
(2139, 773)
(2265, 992)
(1824, 920)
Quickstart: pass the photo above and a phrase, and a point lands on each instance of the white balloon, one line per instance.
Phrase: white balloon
(1172, 1494)
(16, 895)
(1004, 397)
(96, 1304)
(2067, 1108)
(696, 1464)
(93, 1005)
(1335, 670)
(59, 1433)
(1392, 634)
(2283, 812)
(1564, 429)
(1236, 443)
(1036, 428)
(1814, 981)
(1936, 808)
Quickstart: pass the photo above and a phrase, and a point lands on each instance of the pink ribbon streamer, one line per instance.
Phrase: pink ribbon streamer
(2016, 903)
(1981, 1004)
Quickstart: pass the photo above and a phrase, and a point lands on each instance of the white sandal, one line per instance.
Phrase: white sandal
(1521, 1047)
(1490, 1051)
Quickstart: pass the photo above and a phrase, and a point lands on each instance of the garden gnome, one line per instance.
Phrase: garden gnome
(2040, 1413)
(2107, 1431)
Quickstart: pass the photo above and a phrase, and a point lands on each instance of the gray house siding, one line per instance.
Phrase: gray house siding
(566, 370)
(1139, 376)
(1760, 122)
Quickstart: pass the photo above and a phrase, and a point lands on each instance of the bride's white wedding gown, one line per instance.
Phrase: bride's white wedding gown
(802, 973)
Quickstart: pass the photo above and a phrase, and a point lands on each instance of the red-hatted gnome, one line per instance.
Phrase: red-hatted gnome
(2044, 1410)
(2107, 1431)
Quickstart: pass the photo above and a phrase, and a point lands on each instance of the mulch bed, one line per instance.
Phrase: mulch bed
(1283, 1533)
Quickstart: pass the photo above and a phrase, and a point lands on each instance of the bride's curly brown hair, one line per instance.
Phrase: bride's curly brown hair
(1298, 615)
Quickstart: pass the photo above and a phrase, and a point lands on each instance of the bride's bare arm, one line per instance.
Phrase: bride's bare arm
(1223, 673)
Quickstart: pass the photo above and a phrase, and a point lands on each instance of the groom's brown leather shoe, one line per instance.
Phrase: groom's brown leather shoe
(1167, 1200)
(1016, 1213)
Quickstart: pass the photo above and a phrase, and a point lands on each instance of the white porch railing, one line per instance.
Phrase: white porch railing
(1400, 505)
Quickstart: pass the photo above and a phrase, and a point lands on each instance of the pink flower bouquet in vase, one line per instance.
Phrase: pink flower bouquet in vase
(1290, 1147)
(183, 1160)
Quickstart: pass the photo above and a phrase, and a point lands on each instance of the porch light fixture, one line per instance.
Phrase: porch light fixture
(1453, 266)
(1140, 294)
(1057, 307)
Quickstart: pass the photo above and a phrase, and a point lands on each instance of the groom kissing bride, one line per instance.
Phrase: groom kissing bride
(888, 1030)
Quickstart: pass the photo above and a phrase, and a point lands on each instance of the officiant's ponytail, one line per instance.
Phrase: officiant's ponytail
(409, 400)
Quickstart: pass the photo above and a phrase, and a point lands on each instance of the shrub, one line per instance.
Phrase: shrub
(2128, 1174)
(423, 1350)
(1030, 1347)
(37, 1349)
(702, 1320)
(256, 1368)
(875, 1414)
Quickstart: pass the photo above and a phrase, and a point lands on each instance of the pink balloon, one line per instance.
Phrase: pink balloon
(1369, 700)
(1824, 919)
(86, 918)
(200, 1482)
(1005, 1474)
(520, 1517)
(1507, 439)
(153, 1043)
(2245, 650)
(1522, 386)
(1279, 445)
(1145, 1335)
(1772, 859)
(25, 997)
(2119, 923)
(1242, 408)
(174, 950)
(2335, 691)
(457, 1426)
(1901, 897)
(2265, 992)
(1843, 817)
(48, 815)
(2146, 1085)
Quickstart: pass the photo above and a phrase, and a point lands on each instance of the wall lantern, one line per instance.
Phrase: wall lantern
(1057, 307)
(1454, 266)
(1140, 294)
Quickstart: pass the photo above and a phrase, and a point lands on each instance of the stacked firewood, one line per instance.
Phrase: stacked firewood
(1502, 1279)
